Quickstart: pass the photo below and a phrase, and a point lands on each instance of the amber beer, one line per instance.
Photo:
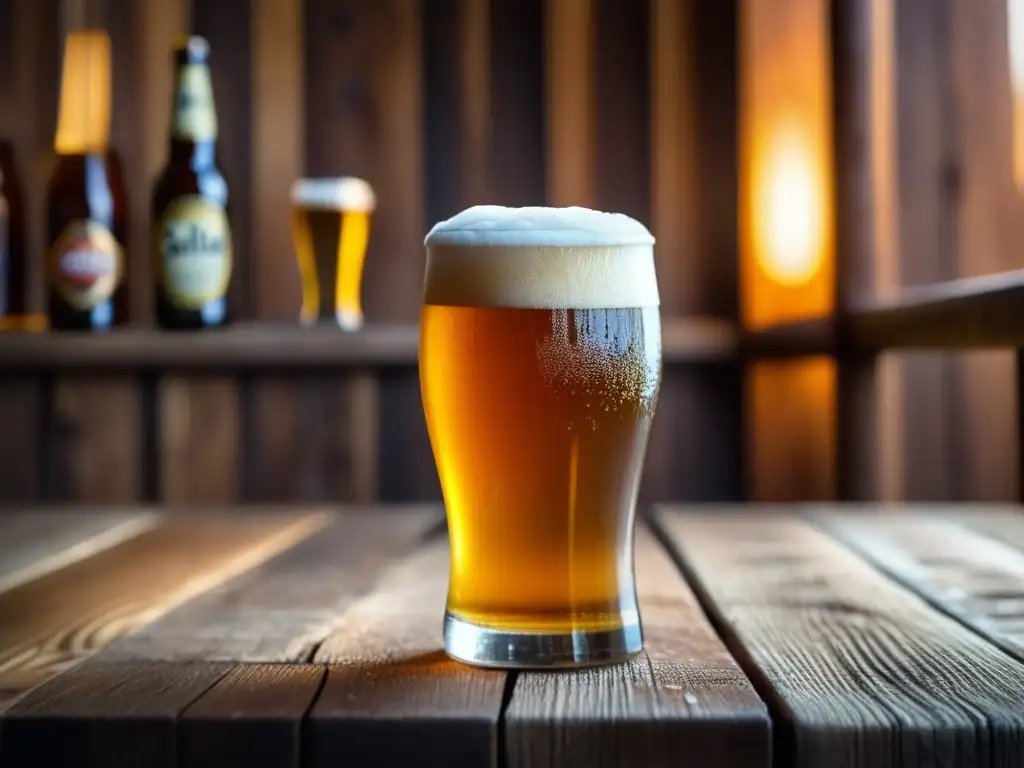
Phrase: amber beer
(330, 232)
(191, 234)
(540, 365)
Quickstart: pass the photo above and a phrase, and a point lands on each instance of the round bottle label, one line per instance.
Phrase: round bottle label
(194, 251)
(85, 264)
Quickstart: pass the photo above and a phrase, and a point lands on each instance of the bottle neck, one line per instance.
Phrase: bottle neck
(199, 155)
(194, 115)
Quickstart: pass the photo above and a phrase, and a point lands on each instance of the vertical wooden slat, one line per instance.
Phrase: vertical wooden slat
(198, 424)
(787, 264)
(928, 173)
(517, 102)
(696, 443)
(864, 128)
(364, 74)
(278, 119)
(569, 67)
(37, 50)
(198, 428)
(94, 450)
(991, 225)
(21, 404)
(475, 101)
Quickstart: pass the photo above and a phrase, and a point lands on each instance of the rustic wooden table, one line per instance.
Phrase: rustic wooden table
(808, 637)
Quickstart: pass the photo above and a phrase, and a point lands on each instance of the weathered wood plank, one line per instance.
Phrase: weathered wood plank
(21, 413)
(860, 671)
(94, 453)
(282, 609)
(33, 544)
(313, 437)
(1002, 523)
(199, 429)
(105, 716)
(251, 717)
(392, 696)
(54, 622)
(686, 696)
(569, 39)
(518, 117)
(974, 579)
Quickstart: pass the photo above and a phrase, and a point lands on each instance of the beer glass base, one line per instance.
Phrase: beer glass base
(505, 649)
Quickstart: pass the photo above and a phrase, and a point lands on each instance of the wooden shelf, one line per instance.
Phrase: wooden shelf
(970, 313)
(265, 346)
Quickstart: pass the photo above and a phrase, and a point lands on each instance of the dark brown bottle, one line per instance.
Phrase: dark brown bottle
(86, 226)
(14, 313)
(191, 232)
(86, 205)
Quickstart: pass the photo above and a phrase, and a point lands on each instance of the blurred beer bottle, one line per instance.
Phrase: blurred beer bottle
(191, 233)
(85, 200)
(14, 315)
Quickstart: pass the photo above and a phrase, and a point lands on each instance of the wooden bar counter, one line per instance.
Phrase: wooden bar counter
(786, 636)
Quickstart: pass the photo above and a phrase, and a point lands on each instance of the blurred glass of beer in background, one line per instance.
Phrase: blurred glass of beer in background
(330, 232)
(540, 366)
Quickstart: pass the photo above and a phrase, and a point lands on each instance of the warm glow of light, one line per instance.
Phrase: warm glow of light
(787, 243)
(788, 209)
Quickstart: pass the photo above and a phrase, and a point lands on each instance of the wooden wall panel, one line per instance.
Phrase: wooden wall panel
(696, 446)
(94, 443)
(364, 71)
(518, 99)
(990, 231)
(927, 199)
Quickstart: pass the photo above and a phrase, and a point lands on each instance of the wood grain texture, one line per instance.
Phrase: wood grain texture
(282, 609)
(312, 437)
(33, 544)
(1002, 523)
(199, 429)
(989, 229)
(928, 174)
(52, 623)
(392, 696)
(105, 716)
(278, 140)
(37, 48)
(569, 39)
(21, 412)
(685, 696)
(973, 578)
(94, 452)
(251, 717)
(518, 119)
(363, 74)
(859, 671)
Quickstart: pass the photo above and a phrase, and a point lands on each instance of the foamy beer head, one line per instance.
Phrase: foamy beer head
(540, 364)
(541, 258)
(330, 230)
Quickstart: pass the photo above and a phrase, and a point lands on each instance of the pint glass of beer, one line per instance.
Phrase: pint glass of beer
(540, 365)
(330, 232)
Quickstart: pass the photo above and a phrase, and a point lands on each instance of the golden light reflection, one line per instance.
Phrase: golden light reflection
(789, 226)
